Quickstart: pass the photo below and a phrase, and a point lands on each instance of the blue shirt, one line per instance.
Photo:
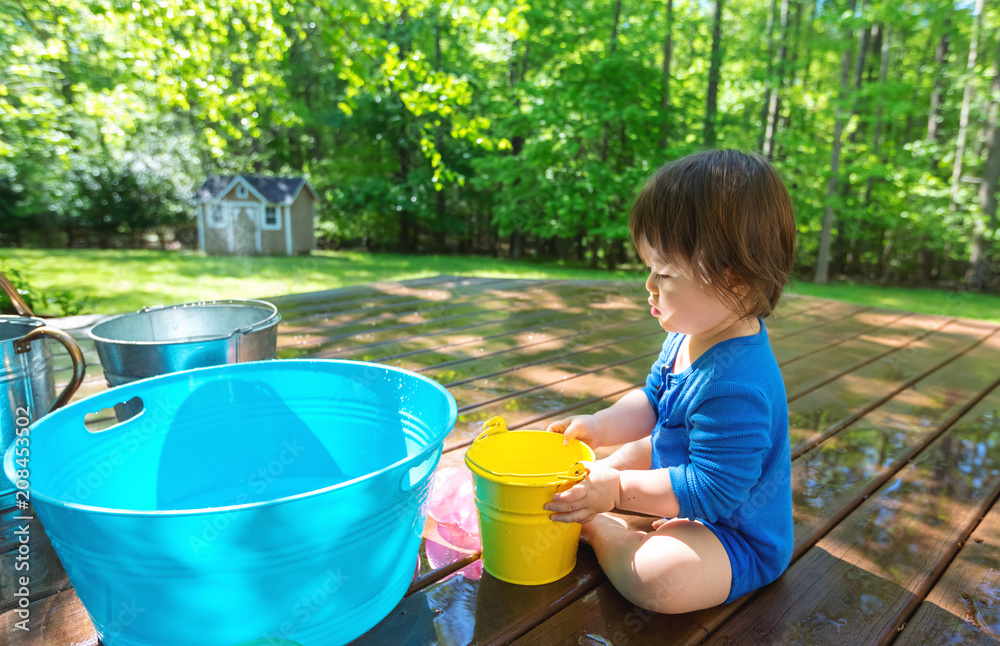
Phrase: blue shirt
(722, 431)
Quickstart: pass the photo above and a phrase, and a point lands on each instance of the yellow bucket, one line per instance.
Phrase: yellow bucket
(515, 474)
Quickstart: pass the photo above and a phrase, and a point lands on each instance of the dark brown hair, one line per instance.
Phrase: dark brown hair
(728, 214)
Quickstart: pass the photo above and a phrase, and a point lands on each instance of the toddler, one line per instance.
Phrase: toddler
(705, 444)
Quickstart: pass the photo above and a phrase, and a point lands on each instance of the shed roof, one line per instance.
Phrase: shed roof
(278, 190)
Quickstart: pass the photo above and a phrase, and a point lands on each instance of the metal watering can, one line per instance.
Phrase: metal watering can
(27, 384)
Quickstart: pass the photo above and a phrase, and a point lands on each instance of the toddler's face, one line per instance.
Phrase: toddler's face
(677, 300)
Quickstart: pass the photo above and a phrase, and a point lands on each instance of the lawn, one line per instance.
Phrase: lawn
(125, 280)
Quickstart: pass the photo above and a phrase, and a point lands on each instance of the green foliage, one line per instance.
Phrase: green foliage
(492, 125)
(63, 302)
(18, 278)
(68, 303)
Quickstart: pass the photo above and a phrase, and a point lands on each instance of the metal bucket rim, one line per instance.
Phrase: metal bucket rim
(525, 479)
(271, 319)
(30, 322)
(416, 459)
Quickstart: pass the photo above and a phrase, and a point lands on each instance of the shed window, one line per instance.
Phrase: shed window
(216, 216)
(241, 191)
(272, 219)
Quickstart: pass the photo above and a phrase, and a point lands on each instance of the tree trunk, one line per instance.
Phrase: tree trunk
(926, 259)
(665, 93)
(713, 76)
(883, 74)
(859, 70)
(793, 62)
(839, 253)
(939, 64)
(963, 120)
(516, 245)
(614, 45)
(978, 276)
(823, 257)
(775, 100)
(440, 205)
(408, 233)
(766, 107)
(884, 261)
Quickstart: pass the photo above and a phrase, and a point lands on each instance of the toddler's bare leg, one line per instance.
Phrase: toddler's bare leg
(679, 567)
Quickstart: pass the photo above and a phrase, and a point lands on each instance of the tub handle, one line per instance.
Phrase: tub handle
(23, 345)
(410, 477)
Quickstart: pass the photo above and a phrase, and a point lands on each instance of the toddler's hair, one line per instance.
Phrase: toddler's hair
(728, 214)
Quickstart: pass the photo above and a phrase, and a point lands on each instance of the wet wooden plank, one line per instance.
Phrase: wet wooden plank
(964, 605)
(834, 477)
(516, 351)
(802, 377)
(826, 410)
(600, 310)
(40, 564)
(365, 336)
(57, 620)
(463, 611)
(305, 299)
(286, 307)
(855, 325)
(482, 391)
(401, 296)
(866, 576)
(318, 330)
(379, 344)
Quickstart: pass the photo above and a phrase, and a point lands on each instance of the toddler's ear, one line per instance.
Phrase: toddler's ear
(736, 284)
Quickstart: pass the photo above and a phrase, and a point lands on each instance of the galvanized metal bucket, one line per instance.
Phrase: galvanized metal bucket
(27, 383)
(163, 339)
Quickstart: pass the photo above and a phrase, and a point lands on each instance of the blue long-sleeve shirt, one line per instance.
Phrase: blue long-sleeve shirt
(722, 431)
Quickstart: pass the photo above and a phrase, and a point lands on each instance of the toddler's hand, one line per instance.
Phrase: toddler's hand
(586, 428)
(581, 503)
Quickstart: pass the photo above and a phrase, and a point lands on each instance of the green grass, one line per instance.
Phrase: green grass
(910, 299)
(125, 280)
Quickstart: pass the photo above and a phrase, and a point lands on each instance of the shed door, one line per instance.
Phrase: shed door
(244, 218)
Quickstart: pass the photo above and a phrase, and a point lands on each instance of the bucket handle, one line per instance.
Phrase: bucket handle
(496, 425)
(575, 473)
(492, 427)
(23, 345)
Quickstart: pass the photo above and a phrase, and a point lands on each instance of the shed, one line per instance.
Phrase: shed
(249, 215)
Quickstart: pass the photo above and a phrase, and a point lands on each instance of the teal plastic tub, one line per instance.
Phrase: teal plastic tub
(276, 500)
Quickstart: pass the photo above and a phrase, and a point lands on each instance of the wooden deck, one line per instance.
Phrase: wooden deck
(896, 465)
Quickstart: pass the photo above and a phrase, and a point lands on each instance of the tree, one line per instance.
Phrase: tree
(665, 92)
(979, 273)
(774, 100)
(823, 259)
(963, 121)
(711, 100)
